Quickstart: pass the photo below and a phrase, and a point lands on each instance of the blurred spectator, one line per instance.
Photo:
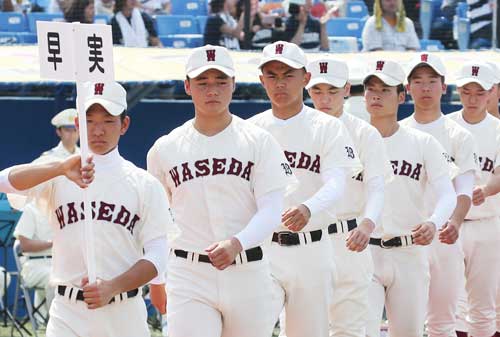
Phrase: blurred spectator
(262, 32)
(448, 8)
(131, 27)
(153, 7)
(303, 29)
(7, 6)
(104, 7)
(480, 14)
(222, 29)
(80, 11)
(389, 28)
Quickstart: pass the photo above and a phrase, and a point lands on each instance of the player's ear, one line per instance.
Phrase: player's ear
(407, 87)
(307, 78)
(401, 97)
(77, 123)
(347, 89)
(261, 78)
(444, 87)
(187, 86)
(125, 125)
(234, 84)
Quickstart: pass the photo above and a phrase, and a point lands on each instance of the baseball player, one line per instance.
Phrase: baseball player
(480, 232)
(495, 93)
(363, 199)
(129, 217)
(401, 264)
(33, 230)
(426, 84)
(226, 179)
(322, 156)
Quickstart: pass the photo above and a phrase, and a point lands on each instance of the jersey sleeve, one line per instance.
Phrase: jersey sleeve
(497, 152)
(154, 165)
(26, 224)
(466, 154)
(339, 150)
(374, 157)
(272, 171)
(157, 220)
(435, 164)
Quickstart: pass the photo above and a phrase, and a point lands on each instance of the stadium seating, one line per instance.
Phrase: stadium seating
(431, 45)
(189, 7)
(345, 27)
(343, 44)
(34, 17)
(8, 38)
(182, 40)
(176, 24)
(13, 22)
(356, 9)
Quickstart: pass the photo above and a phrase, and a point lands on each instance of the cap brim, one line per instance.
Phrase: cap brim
(112, 108)
(463, 81)
(334, 81)
(419, 64)
(197, 72)
(293, 64)
(390, 81)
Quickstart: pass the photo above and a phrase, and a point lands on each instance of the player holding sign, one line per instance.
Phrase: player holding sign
(225, 178)
(322, 156)
(401, 265)
(129, 213)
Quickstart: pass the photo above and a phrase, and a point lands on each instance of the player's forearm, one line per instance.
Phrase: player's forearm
(299, 34)
(374, 198)
(329, 193)
(33, 246)
(138, 275)
(446, 201)
(493, 186)
(463, 205)
(23, 177)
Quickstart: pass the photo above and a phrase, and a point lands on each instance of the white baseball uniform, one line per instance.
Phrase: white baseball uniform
(480, 233)
(214, 184)
(354, 270)
(60, 152)
(446, 261)
(401, 269)
(314, 143)
(128, 210)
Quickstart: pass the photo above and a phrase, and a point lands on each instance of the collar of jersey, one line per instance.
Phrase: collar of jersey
(109, 159)
(290, 120)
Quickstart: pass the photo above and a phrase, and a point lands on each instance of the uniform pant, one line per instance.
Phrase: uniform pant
(447, 269)
(305, 275)
(71, 318)
(401, 283)
(354, 272)
(36, 273)
(480, 241)
(240, 301)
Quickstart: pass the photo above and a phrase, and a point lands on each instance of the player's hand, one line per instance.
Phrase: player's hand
(478, 195)
(158, 296)
(424, 233)
(296, 218)
(73, 170)
(222, 254)
(360, 236)
(449, 233)
(97, 294)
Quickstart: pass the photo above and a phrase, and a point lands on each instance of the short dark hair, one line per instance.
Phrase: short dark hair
(123, 115)
(421, 66)
(75, 12)
(119, 4)
(400, 88)
(216, 6)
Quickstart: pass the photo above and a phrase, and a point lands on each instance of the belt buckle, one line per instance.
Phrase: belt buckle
(383, 245)
(281, 236)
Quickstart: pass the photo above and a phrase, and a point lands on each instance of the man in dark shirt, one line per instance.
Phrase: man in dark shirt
(306, 31)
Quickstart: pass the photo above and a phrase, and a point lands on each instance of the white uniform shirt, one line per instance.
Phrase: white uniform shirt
(487, 136)
(129, 208)
(458, 144)
(58, 152)
(371, 151)
(314, 142)
(33, 225)
(213, 182)
(417, 159)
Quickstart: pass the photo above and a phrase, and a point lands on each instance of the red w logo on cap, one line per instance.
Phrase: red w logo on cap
(211, 55)
(98, 88)
(380, 65)
(323, 67)
(424, 57)
(279, 49)
(475, 71)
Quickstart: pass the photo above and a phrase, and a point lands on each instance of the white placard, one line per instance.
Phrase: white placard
(55, 50)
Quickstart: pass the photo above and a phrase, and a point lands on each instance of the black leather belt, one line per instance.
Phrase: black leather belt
(61, 290)
(292, 238)
(39, 257)
(397, 241)
(253, 254)
(334, 227)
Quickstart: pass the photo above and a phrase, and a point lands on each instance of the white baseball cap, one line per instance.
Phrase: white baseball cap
(427, 59)
(209, 57)
(329, 71)
(387, 71)
(64, 118)
(476, 72)
(285, 52)
(110, 95)
(496, 70)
